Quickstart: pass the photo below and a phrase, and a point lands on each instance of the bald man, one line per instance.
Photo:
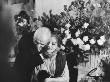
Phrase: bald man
(30, 47)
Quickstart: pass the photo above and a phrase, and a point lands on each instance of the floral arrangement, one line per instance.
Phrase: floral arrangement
(88, 28)
(85, 23)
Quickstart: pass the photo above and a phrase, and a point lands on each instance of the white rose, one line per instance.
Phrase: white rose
(100, 42)
(62, 47)
(92, 41)
(67, 25)
(102, 38)
(64, 41)
(67, 32)
(79, 41)
(86, 47)
(62, 30)
(74, 41)
(85, 38)
(81, 46)
(21, 24)
(77, 33)
(98, 5)
(85, 25)
(68, 35)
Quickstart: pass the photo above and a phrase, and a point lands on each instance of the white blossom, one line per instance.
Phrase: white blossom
(81, 46)
(21, 24)
(77, 33)
(74, 41)
(86, 47)
(62, 30)
(100, 42)
(68, 35)
(79, 41)
(62, 47)
(64, 41)
(85, 25)
(85, 38)
(67, 25)
(67, 32)
(96, 5)
(102, 38)
(92, 41)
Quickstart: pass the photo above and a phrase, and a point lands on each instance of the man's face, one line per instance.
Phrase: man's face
(40, 45)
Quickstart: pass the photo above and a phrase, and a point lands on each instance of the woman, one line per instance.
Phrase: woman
(54, 68)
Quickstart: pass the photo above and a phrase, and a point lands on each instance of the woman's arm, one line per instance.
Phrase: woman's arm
(64, 77)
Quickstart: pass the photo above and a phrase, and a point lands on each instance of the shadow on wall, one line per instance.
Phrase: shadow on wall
(57, 6)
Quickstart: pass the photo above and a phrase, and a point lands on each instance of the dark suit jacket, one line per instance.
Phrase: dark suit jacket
(27, 58)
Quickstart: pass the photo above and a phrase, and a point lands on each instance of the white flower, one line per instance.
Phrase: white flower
(64, 41)
(67, 32)
(85, 38)
(92, 41)
(81, 46)
(77, 33)
(86, 47)
(68, 35)
(96, 5)
(102, 38)
(67, 25)
(21, 24)
(100, 42)
(74, 41)
(62, 47)
(62, 30)
(79, 41)
(85, 25)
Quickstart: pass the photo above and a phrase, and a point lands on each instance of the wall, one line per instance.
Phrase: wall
(56, 6)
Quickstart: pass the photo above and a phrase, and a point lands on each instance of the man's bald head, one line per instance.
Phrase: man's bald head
(42, 37)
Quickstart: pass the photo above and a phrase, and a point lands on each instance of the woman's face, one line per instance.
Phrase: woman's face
(21, 25)
(52, 46)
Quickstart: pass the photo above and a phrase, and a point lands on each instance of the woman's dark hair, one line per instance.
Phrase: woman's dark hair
(22, 14)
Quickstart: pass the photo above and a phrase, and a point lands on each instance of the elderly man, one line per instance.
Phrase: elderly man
(30, 46)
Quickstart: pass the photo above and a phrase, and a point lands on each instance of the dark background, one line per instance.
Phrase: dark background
(6, 40)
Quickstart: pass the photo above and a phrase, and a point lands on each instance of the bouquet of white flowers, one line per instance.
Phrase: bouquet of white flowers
(84, 23)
